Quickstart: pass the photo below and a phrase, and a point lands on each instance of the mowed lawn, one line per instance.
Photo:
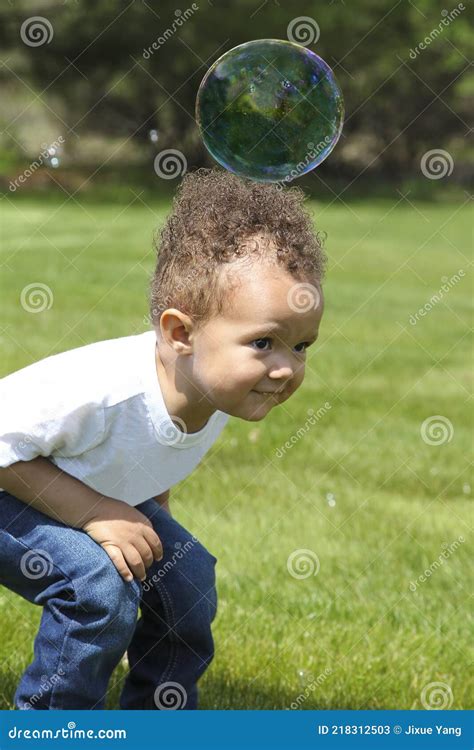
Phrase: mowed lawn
(372, 503)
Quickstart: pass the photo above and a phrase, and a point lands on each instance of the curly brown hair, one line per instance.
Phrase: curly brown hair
(214, 214)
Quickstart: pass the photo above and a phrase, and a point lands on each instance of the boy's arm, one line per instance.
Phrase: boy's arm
(54, 492)
(125, 533)
(163, 500)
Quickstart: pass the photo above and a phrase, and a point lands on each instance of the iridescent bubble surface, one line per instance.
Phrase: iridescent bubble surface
(270, 110)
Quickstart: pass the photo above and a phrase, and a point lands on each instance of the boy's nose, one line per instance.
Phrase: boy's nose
(281, 372)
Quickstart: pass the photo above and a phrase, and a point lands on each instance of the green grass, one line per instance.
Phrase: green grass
(398, 500)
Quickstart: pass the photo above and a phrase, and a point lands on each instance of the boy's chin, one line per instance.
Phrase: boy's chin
(254, 417)
(252, 413)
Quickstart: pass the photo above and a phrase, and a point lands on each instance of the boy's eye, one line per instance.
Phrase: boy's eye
(257, 342)
(305, 344)
(260, 345)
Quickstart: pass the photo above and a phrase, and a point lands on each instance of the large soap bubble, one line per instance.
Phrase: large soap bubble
(269, 110)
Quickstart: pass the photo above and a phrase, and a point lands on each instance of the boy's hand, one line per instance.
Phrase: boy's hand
(127, 535)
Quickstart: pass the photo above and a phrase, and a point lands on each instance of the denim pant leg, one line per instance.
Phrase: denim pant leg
(89, 611)
(172, 644)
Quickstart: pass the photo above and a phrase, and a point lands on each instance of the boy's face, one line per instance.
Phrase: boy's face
(252, 357)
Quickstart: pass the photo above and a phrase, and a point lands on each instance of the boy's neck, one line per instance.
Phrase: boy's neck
(179, 403)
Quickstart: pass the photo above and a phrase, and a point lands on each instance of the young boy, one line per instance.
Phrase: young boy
(92, 440)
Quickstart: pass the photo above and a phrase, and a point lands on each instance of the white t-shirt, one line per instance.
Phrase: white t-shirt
(98, 413)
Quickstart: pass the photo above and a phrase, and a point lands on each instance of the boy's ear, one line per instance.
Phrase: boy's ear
(176, 327)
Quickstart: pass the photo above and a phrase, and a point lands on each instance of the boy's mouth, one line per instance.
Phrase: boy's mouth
(269, 393)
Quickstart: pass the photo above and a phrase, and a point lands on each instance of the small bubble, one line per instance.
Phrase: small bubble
(331, 499)
(286, 84)
(54, 162)
(153, 135)
(252, 88)
(434, 471)
(466, 488)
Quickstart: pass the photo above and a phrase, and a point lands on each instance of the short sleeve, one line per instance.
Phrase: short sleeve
(41, 415)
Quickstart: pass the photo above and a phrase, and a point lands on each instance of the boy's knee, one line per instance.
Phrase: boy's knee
(190, 583)
(206, 567)
(109, 599)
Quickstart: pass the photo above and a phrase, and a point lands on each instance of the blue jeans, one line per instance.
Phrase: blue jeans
(89, 617)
